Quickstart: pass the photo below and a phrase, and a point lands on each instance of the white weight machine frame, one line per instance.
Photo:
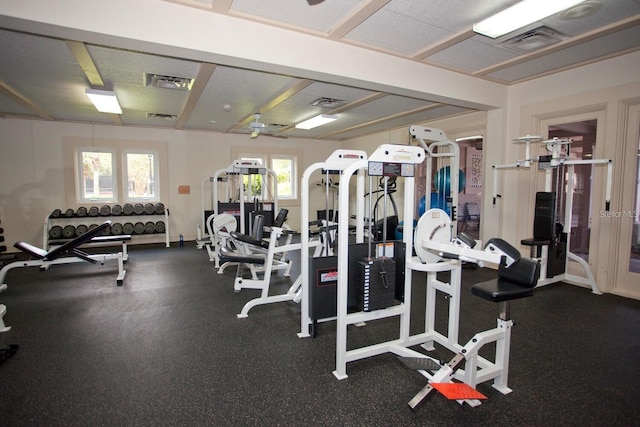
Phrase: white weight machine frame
(339, 160)
(431, 140)
(238, 167)
(555, 147)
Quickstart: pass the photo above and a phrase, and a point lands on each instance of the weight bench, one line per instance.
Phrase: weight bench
(513, 282)
(68, 253)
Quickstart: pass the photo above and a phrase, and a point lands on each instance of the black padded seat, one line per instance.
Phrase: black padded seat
(227, 255)
(249, 240)
(516, 281)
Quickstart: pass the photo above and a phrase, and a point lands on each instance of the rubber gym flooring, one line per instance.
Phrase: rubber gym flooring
(167, 349)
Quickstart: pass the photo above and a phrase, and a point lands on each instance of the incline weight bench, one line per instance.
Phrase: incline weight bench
(68, 253)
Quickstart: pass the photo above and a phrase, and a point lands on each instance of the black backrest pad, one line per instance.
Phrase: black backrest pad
(544, 216)
(525, 272)
(281, 218)
(72, 244)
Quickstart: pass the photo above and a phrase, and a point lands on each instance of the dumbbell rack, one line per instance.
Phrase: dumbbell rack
(136, 220)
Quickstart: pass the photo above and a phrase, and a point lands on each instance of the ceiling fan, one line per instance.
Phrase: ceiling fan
(258, 128)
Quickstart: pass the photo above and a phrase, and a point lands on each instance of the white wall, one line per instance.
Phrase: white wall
(32, 176)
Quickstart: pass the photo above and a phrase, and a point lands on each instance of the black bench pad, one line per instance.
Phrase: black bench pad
(227, 255)
(248, 239)
(516, 281)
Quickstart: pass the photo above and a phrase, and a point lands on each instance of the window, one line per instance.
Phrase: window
(99, 178)
(141, 175)
(96, 176)
(284, 168)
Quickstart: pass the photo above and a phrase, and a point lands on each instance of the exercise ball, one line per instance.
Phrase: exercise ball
(399, 233)
(442, 181)
(421, 205)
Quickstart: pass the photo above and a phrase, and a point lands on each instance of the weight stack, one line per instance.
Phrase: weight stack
(377, 283)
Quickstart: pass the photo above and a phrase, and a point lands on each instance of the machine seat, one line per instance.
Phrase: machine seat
(227, 255)
(516, 281)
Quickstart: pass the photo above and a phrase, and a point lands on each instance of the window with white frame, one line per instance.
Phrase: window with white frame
(99, 180)
(141, 175)
(285, 168)
(97, 175)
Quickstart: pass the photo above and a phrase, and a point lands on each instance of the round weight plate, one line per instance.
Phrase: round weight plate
(94, 211)
(56, 213)
(149, 209)
(107, 230)
(138, 228)
(92, 226)
(68, 231)
(159, 208)
(160, 227)
(68, 213)
(127, 228)
(149, 227)
(55, 232)
(81, 229)
(434, 225)
(82, 211)
(116, 228)
(138, 209)
(105, 210)
(116, 210)
(127, 209)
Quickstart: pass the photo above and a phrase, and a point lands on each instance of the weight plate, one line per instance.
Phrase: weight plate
(149, 209)
(116, 228)
(92, 226)
(55, 232)
(81, 229)
(127, 209)
(138, 228)
(127, 228)
(105, 210)
(160, 227)
(116, 210)
(107, 230)
(68, 213)
(56, 213)
(68, 231)
(94, 211)
(159, 208)
(82, 211)
(138, 209)
(149, 227)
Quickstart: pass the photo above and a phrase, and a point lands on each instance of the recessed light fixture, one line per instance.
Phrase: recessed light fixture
(520, 15)
(316, 121)
(105, 101)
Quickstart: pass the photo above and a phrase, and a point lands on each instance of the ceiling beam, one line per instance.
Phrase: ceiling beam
(446, 43)
(202, 79)
(79, 50)
(384, 119)
(360, 15)
(19, 98)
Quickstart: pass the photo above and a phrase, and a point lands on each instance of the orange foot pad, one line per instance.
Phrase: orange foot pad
(458, 391)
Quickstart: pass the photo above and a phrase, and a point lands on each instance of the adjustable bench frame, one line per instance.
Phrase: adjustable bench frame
(69, 253)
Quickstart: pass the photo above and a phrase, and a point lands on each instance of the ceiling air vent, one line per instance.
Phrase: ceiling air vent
(533, 40)
(161, 116)
(327, 102)
(168, 82)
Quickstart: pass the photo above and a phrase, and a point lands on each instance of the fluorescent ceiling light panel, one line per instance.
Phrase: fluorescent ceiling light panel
(105, 101)
(316, 121)
(520, 15)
